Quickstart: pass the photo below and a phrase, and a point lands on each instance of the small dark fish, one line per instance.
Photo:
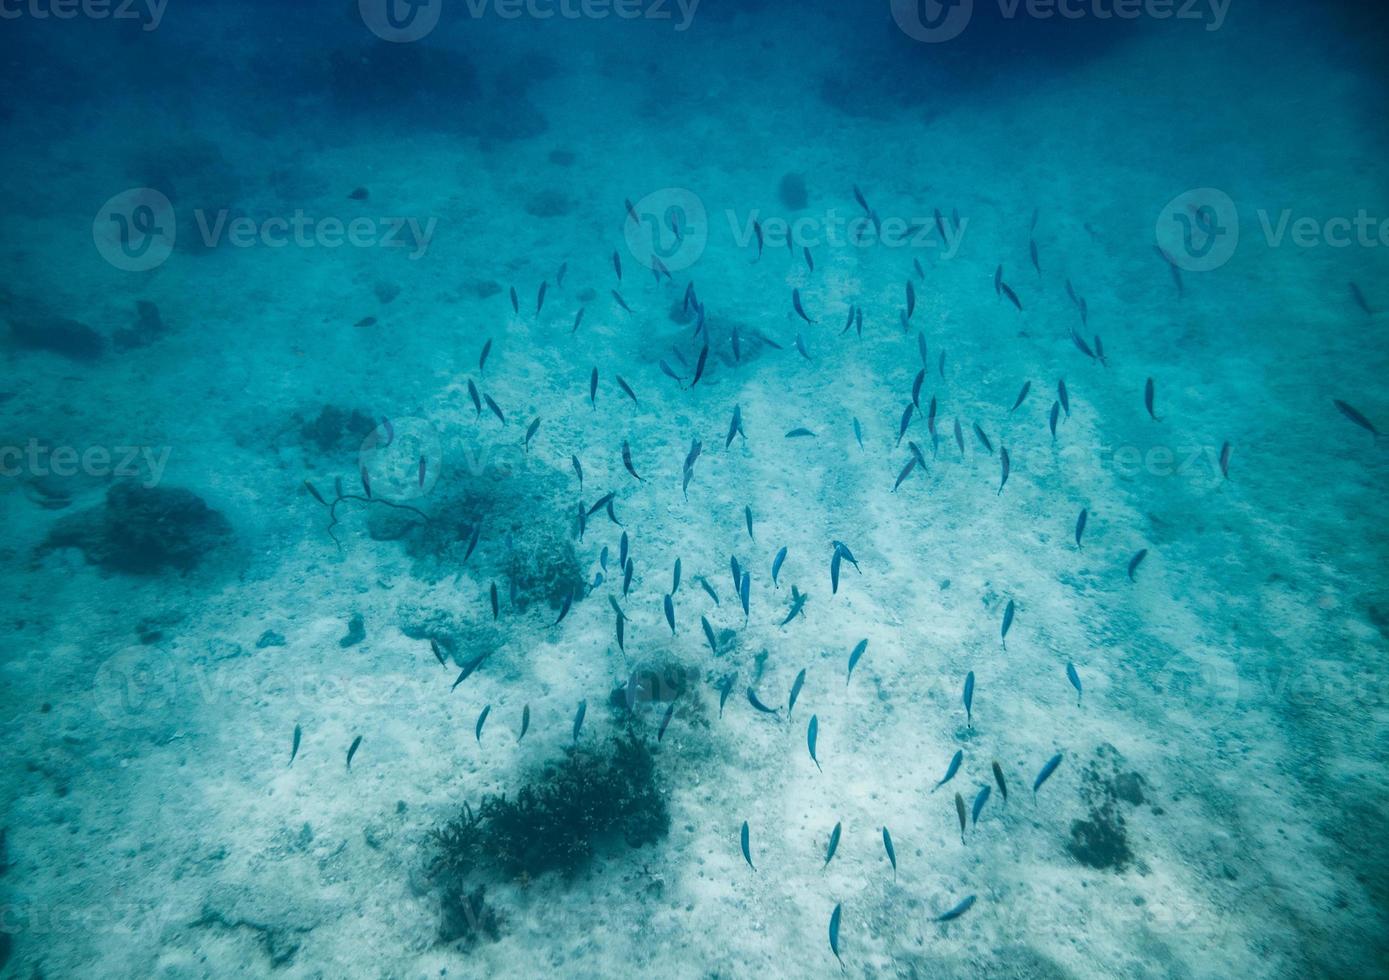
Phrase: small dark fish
(1007, 622)
(891, 853)
(747, 519)
(540, 297)
(578, 319)
(482, 358)
(725, 687)
(1136, 560)
(1052, 417)
(911, 299)
(1074, 678)
(665, 722)
(593, 388)
(366, 482)
(627, 389)
(998, 281)
(998, 778)
(906, 421)
(709, 589)
(1006, 465)
(1012, 296)
(858, 432)
(670, 612)
(631, 211)
(757, 229)
(854, 656)
(800, 346)
(294, 746)
(969, 699)
(438, 652)
(559, 274)
(951, 769)
(564, 608)
(709, 635)
(800, 310)
(960, 812)
(906, 472)
(1360, 300)
(796, 686)
(352, 750)
(964, 906)
(481, 720)
(843, 549)
(834, 566)
(1045, 774)
(1081, 345)
(603, 501)
(313, 492)
(515, 303)
(1064, 397)
(525, 722)
(496, 608)
(1080, 524)
(979, 800)
(421, 472)
(495, 409)
(959, 437)
(1355, 416)
(737, 572)
(627, 460)
(747, 850)
(699, 365)
(858, 196)
(579, 718)
(473, 540)
(468, 670)
(745, 592)
(531, 431)
(1026, 387)
(756, 703)
(617, 297)
(798, 599)
(776, 566)
(833, 845)
(834, 934)
(812, 733)
(675, 577)
(1225, 461)
(1148, 399)
(617, 265)
(809, 261)
(979, 434)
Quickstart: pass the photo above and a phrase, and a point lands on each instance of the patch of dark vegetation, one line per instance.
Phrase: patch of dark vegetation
(1101, 840)
(201, 184)
(143, 530)
(57, 335)
(792, 191)
(549, 204)
(562, 157)
(147, 328)
(411, 81)
(594, 797)
(336, 430)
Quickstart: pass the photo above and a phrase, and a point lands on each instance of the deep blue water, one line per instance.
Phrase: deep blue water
(595, 488)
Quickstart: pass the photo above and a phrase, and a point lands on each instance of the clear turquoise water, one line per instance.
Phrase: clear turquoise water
(256, 252)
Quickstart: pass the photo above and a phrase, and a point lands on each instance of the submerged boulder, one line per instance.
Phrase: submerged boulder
(57, 335)
(143, 530)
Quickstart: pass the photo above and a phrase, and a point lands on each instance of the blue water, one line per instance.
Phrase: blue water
(407, 408)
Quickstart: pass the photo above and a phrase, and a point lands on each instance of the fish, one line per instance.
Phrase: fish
(1012, 296)
(531, 430)
(438, 653)
(800, 346)
(675, 576)
(578, 319)
(812, 732)
(747, 519)
(540, 297)
(352, 750)
(969, 699)
(833, 845)
(564, 608)
(834, 569)
(800, 310)
(481, 720)
(809, 261)
(757, 229)
(579, 718)
(665, 722)
(631, 211)
(979, 800)
(906, 472)
(1136, 560)
(796, 686)
(906, 421)
(1026, 387)
(421, 472)
(366, 482)
(627, 461)
(983, 439)
(959, 437)
(1080, 524)
(468, 670)
(473, 540)
(1007, 623)
(559, 274)
(627, 389)
(617, 265)
(515, 302)
(1360, 300)
(294, 746)
(951, 769)
(1045, 773)
(593, 388)
(1063, 396)
(960, 812)
(482, 358)
(525, 722)
(747, 849)
(1051, 419)
(602, 502)
(858, 196)
(670, 613)
(891, 852)
(776, 566)
(998, 778)
(1081, 345)
(1074, 678)
(798, 599)
(617, 297)
(756, 703)
(495, 409)
(1006, 465)
(834, 933)
(1355, 416)
(745, 592)
(1225, 460)
(964, 906)
(858, 432)
(998, 281)
(628, 570)
(843, 549)
(578, 470)
(704, 582)
(911, 299)
(737, 572)
(1148, 398)
(854, 656)
(477, 400)
(735, 426)
(709, 635)
(725, 687)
